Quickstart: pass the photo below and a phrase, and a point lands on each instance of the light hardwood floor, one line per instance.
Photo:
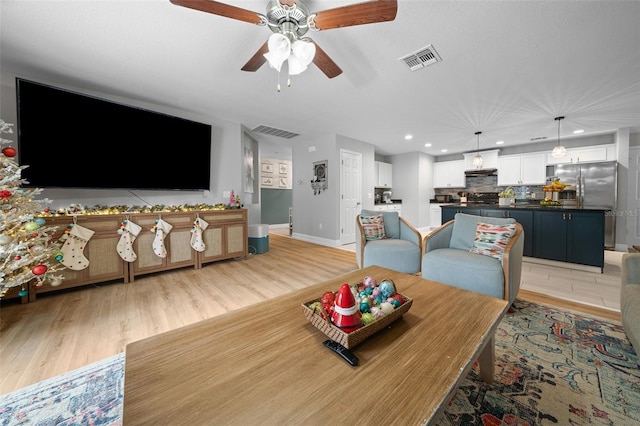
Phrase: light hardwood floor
(63, 331)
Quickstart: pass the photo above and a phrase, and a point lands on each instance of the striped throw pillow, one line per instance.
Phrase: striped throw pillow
(491, 240)
(373, 227)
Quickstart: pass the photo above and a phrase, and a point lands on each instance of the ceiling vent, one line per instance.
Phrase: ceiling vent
(421, 58)
(275, 132)
(539, 138)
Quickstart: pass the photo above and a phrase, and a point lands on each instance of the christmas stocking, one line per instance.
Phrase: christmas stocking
(161, 228)
(128, 231)
(75, 239)
(197, 242)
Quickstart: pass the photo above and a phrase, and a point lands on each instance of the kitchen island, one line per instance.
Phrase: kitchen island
(559, 233)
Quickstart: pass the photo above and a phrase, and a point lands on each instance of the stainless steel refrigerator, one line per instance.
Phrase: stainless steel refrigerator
(595, 187)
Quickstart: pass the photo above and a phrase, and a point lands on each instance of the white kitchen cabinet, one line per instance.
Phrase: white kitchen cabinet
(490, 159)
(396, 207)
(585, 154)
(449, 174)
(435, 215)
(525, 169)
(383, 174)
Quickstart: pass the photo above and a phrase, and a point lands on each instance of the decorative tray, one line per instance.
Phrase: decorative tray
(321, 321)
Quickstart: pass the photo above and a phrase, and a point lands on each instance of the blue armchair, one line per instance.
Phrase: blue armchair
(448, 257)
(400, 249)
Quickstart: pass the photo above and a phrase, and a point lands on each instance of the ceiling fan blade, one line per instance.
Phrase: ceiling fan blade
(257, 60)
(221, 9)
(325, 63)
(357, 14)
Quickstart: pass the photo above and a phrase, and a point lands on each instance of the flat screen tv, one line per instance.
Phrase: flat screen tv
(71, 140)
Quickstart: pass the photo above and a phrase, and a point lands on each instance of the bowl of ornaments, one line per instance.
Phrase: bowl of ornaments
(356, 311)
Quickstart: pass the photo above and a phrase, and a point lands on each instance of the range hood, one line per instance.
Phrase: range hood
(481, 172)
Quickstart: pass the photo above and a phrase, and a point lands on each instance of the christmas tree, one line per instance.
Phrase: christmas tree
(27, 248)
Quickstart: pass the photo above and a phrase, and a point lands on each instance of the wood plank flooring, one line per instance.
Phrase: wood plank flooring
(63, 331)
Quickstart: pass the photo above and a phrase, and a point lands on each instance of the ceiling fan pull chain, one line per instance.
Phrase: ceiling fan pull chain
(278, 81)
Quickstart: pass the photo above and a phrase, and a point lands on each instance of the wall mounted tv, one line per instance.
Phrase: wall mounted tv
(71, 140)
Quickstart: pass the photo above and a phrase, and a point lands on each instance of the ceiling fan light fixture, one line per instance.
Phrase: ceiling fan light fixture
(302, 53)
(559, 151)
(279, 50)
(478, 161)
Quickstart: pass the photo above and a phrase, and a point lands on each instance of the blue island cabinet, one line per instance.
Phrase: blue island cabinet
(566, 235)
(570, 236)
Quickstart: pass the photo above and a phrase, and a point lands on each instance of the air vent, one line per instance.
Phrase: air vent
(275, 132)
(421, 58)
(540, 138)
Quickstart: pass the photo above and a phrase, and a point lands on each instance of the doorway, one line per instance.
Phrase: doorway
(350, 194)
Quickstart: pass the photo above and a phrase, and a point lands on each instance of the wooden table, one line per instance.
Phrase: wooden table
(266, 364)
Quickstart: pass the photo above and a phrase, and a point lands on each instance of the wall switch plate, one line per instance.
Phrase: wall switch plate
(226, 194)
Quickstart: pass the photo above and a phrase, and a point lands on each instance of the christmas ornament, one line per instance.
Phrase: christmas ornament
(55, 282)
(9, 151)
(31, 226)
(5, 239)
(40, 221)
(39, 270)
(23, 293)
(5, 194)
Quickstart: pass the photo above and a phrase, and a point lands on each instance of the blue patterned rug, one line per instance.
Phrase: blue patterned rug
(553, 367)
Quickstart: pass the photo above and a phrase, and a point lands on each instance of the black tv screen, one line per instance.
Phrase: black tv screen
(71, 140)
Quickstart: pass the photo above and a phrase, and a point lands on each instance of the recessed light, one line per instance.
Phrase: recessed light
(443, 150)
(428, 145)
(499, 142)
(408, 137)
(575, 132)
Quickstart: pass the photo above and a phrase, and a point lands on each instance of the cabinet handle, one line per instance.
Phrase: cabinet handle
(564, 216)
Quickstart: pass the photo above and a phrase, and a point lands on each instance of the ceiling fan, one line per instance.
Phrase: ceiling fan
(291, 19)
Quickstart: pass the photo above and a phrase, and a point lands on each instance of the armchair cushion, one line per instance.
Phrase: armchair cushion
(449, 256)
(373, 227)
(401, 250)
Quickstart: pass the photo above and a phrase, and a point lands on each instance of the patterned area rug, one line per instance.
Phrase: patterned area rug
(553, 367)
(90, 395)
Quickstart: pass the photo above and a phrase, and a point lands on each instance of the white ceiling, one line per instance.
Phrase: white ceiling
(508, 68)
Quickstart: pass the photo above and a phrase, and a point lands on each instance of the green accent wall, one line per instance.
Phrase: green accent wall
(275, 205)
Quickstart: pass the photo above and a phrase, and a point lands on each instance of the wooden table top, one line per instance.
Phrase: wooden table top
(266, 364)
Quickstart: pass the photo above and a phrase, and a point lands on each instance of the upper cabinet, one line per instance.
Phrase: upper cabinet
(585, 154)
(525, 169)
(383, 175)
(489, 159)
(449, 174)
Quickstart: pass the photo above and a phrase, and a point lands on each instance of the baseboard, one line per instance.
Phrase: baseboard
(565, 265)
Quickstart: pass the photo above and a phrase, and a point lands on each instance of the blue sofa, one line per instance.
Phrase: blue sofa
(447, 258)
(630, 297)
(401, 250)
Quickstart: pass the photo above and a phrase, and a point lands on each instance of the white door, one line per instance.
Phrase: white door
(633, 198)
(350, 194)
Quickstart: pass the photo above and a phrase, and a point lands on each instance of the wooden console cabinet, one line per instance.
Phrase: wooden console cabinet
(226, 237)
(104, 262)
(176, 242)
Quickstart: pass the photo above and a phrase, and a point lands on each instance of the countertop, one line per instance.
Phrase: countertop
(396, 201)
(525, 206)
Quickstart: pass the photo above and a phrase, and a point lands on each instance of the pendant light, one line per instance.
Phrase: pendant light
(478, 161)
(558, 150)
